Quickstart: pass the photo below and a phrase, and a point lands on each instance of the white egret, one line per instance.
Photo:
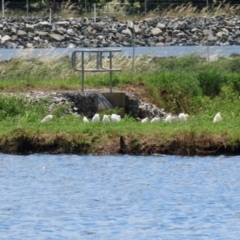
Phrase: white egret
(105, 118)
(171, 118)
(85, 119)
(155, 119)
(168, 118)
(144, 120)
(115, 118)
(96, 118)
(47, 118)
(217, 117)
(183, 117)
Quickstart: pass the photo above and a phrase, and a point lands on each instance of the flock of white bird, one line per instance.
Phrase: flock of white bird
(183, 117)
(106, 118)
(169, 118)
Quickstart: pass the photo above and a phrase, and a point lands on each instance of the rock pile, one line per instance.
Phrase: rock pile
(106, 32)
(87, 104)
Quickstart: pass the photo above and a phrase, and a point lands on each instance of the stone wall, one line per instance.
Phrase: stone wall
(83, 32)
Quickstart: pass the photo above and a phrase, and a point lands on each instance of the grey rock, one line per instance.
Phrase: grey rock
(127, 32)
(156, 31)
(30, 27)
(21, 33)
(56, 37)
(5, 39)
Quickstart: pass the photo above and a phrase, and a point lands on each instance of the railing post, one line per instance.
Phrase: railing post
(50, 15)
(95, 15)
(3, 14)
(207, 32)
(110, 63)
(82, 71)
(133, 55)
(27, 7)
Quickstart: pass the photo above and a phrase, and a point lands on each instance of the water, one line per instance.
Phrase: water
(119, 197)
(6, 54)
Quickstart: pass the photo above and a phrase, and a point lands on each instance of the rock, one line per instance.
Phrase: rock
(10, 45)
(56, 37)
(161, 25)
(156, 31)
(29, 45)
(127, 32)
(14, 38)
(136, 29)
(5, 39)
(160, 44)
(21, 33)
(30, 27)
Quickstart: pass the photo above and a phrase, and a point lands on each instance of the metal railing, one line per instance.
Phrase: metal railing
(99, 63)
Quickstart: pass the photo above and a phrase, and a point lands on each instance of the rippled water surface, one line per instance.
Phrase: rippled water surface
(166, 51)
(119, 197)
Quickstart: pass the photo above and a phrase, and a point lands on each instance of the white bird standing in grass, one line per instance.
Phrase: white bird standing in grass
(168, 118)
(144, 120)
(171, 118)
(115, 117)
(85, 119)
(217, 117)
(155, 119)
(183, 117)
(47, 118)
(105, 118)
(96, 118)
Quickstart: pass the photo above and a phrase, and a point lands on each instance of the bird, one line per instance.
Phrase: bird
(217, 117)
(155, 119)
(183, 117)
(144, 120)
(170, 118)
(105, 118)
(115, 118)
(96, 118)
(47, 118)
(85, 119)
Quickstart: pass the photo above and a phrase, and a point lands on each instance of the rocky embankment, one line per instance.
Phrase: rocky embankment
(79, 103)
(105, 32)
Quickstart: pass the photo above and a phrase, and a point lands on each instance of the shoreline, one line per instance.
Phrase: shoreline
(24, 142)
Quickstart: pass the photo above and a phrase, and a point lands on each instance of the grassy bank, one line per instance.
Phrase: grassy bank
(186, 84)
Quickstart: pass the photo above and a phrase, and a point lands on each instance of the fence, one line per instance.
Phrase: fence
(67, 9)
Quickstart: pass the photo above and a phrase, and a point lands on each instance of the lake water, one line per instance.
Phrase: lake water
(119, 197)
(166, 51)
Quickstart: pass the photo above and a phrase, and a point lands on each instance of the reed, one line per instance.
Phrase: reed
(114, 8)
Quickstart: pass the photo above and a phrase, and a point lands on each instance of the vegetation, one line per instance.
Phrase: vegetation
(186, 84)
(135, 9)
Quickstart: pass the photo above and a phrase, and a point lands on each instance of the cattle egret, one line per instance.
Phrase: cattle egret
(144, 120)
(47, 118)
(155, 119)
(85, 119)
(106, 118)
(168, 118)
(217, 117)
(115, 118)
(182, 117)
(96, 118)
(171, 118)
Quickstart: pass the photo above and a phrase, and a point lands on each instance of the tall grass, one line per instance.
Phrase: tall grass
(69, 9)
